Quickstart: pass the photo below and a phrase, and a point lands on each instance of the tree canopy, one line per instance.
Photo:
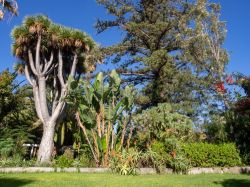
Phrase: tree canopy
(172, 48)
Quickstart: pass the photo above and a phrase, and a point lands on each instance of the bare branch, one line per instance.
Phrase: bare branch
(48, 64)
(73, 68)
(32, 62)
(55, 101)
(38, 46)
(60, 69)
(37, 102)
(50, 70)
(43, 97)
(27, 74)
(58, 108)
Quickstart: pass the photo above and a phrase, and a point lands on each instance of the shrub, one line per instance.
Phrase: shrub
(66, 160)
(164, 124)
(126, 162)
(153, 159)
(84, 161)
(69, 153)
(172, 155)
(179, 164)
(63, 162)
(212, 155)
(216, 129)
(17, 161)
(6, 147)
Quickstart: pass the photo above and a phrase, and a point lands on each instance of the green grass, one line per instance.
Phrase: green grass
(113, 180)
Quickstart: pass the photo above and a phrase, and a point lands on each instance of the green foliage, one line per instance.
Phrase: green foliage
(69, 154)
(8, 100)
(126, 162)
(238, 129)
(186, 155)
(173, 49)
(84, 161)
(54, 36)
(162, 130)
(17, 161)
(102, 108)
(172, 156)
(6, 147)
(212, 155)
(162, 150)
(66, 160)
(84, 157)
(16, 116)
(12, 141)
(216, 130)
(153, 159)
(179, 164)
(63, 162)
(162, 123)
(238, 121)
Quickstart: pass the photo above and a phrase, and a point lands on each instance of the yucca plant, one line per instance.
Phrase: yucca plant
(50, 54)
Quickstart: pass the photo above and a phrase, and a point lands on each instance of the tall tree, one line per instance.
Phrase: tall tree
(173, 48)
(8, 6)
(51, 54)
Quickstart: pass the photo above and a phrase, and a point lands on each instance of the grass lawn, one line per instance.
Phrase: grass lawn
(102, 180)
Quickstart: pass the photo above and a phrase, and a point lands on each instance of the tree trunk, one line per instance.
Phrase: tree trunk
(47, 144)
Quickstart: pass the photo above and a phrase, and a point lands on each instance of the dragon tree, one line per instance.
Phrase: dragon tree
(8, 6)
(52, 55)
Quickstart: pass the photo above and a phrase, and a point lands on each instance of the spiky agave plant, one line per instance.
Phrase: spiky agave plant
(50, 54)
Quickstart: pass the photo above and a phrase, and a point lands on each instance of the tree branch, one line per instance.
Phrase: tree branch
(32, 62)
(55, 100)
(48, 64)
(38, 46)
(27, 74)
(43, 98)
(60, 104)
(37, 103)
(60, 69)
(73, 68)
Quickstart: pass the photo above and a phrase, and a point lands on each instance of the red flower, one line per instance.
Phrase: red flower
(229, 80)
(220, 87)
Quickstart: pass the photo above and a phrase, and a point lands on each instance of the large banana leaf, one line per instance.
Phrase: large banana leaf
(98, 86)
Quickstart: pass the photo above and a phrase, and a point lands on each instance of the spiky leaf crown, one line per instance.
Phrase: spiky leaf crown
(54, 37)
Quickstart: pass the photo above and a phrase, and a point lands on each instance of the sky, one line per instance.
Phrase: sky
(83, 14)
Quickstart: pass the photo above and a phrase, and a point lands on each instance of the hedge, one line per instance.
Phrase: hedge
(212, 155)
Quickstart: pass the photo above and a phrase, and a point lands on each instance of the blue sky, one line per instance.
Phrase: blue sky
(82, 14)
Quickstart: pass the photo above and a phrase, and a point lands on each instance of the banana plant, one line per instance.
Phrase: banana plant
(101, 106)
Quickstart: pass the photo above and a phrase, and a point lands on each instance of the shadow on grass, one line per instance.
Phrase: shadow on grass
(12, 182)
(234, 183)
